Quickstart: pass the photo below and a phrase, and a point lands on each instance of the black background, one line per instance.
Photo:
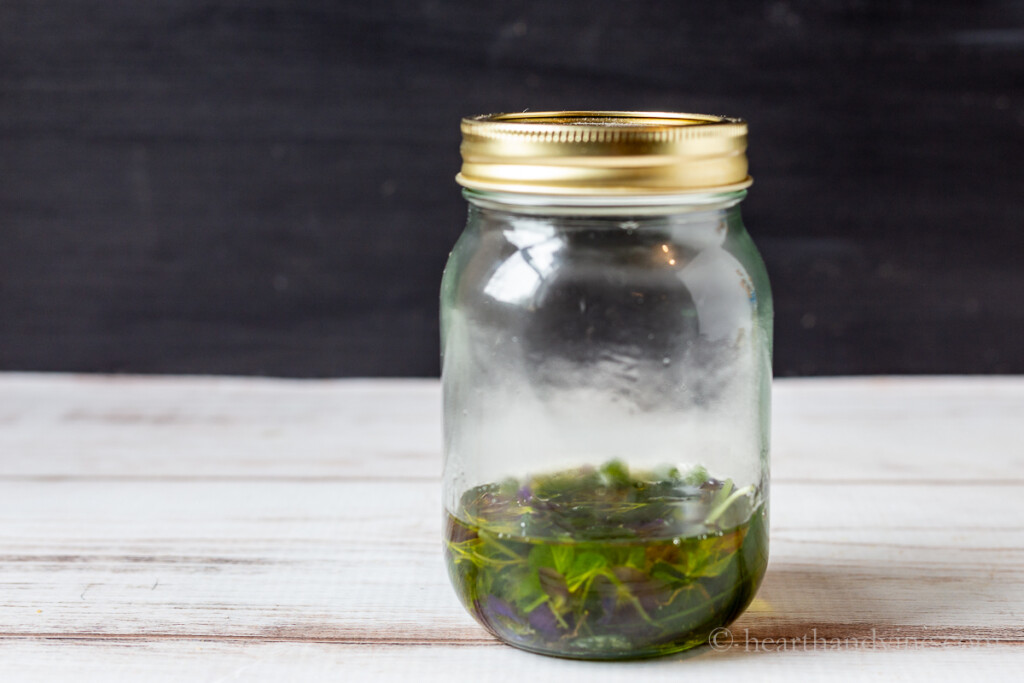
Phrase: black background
(265, 187)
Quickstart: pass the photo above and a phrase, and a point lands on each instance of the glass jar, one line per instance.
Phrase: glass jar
(606, 333)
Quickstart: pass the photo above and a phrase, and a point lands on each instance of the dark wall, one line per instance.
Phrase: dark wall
(265, 186)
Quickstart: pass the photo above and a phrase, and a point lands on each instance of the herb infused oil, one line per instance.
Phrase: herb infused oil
(604, 563)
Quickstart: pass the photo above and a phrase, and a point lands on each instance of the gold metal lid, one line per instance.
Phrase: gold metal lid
(603, 152)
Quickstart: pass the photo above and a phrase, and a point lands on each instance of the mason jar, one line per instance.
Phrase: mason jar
(606, 334)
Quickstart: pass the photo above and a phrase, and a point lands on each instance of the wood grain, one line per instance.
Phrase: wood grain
(144, 535)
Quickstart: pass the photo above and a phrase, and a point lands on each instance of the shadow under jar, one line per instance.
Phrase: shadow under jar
(606, 327)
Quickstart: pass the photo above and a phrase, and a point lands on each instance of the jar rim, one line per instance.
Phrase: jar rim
(632, 205)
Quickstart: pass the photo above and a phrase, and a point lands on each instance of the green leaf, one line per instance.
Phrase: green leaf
(714, 566)
(540, 556)
(722, 494)
(563, 556)
(524, 589)
(697, 476)
(669, 572)
(615, 472)
(637, 558)
(721, 504)
(666, 473)
(584, 566)
(508, 487)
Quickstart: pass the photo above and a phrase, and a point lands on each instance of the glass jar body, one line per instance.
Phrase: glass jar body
(606, 377)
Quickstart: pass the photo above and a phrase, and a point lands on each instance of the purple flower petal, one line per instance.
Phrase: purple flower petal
(502, 608)
(543, 621)
(525, 494)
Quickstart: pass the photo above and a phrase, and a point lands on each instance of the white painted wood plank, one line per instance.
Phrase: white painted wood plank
(96, 426)
(905, 428)
(235, 529)
(206, 662)
(875, 429)
(361, 561)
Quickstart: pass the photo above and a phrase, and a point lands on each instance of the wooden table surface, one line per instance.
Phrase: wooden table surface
(214, 529)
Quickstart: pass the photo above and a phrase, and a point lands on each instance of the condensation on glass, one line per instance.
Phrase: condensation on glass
(606, 326)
